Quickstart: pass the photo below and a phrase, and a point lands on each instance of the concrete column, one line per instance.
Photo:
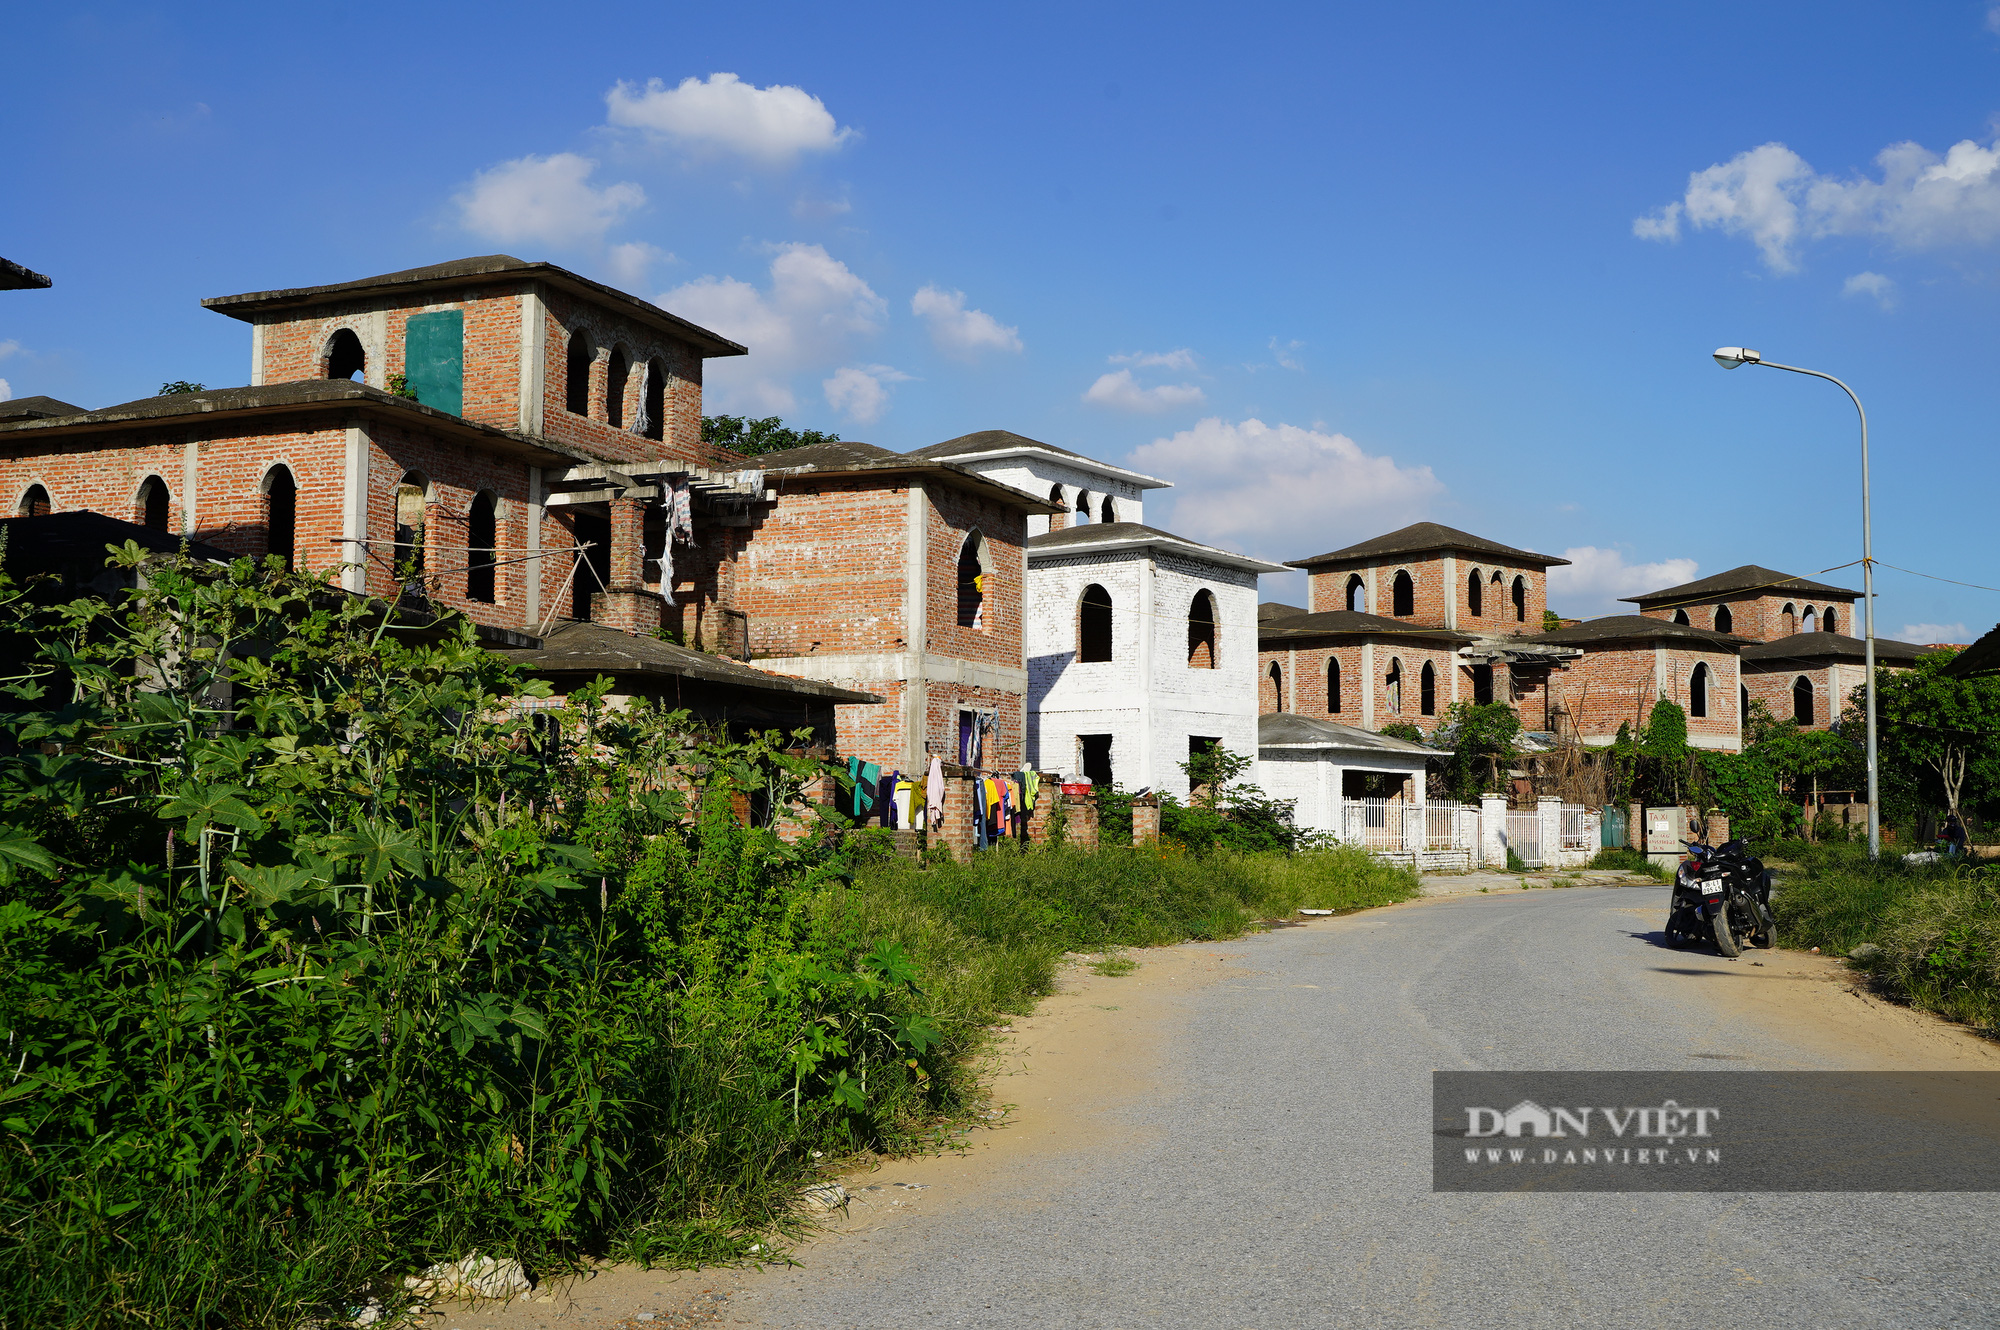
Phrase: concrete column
(916, 629)
(1367, 682)
(532, 600)
(1292, 681)
(534, 339)
(190, 483)
(1451, 604)
(354, 510)
(1549, 806)
(1493, 830)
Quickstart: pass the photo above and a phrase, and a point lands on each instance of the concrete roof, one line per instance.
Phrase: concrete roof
(13, 277)
(1106, 537)
(1636, 628)
(1350, 622)
(1272, 609)
(573, 647)
(1750, 577)
(342, 396)
(1807, 648)
(1422, 537)
(466, 272)
(1978, 660)
(847, 458)
(80, 536)
(37, 408)
(1006, 443)
(1285, 729)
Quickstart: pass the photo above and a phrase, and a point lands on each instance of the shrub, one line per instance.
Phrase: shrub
(1628, 860)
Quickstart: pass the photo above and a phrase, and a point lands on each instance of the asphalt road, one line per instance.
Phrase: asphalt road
(1282, 1175)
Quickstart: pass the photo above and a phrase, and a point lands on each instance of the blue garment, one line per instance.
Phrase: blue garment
(864, 790)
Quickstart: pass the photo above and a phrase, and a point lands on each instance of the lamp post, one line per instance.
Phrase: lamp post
(1729, 357)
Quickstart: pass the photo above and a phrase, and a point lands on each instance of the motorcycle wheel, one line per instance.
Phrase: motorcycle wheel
(1725, 936)
(1767, 935)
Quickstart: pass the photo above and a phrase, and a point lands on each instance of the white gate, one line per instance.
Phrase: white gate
(1524, 836)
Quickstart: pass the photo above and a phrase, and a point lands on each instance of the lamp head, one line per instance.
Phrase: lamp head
(1729, 357)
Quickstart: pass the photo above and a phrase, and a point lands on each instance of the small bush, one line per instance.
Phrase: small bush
(1626, 860)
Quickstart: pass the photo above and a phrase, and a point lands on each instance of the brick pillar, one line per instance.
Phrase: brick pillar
(1635, 827)
(1045, 804)
(1145, 819)
(958, 796)
(1082, 810)
(626, 603)
(1493, 830)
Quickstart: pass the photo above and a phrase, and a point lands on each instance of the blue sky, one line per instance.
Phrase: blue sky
(1332, 268)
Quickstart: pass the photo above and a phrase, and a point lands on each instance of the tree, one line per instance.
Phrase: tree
(1938, 732)
(175, 387)
(754, 438)
(1481, 740)
(1551, 621)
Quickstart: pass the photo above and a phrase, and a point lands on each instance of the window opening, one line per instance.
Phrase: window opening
(653, 402)
(1520, 600)
(1394, 680)
(1357, 595)
(577, 392)
(1094, 753)
(1810, 624)
(593, 566)
(281, 514)
(1201, 632)
(1093, 625)
(1802, 700)
(1276, 675)
(346, 358)
(1830, 621)
(1082, 507)
(153, 503)
(1725, 622)
(1698, 692)
(1107, 512)
(482, 534)
(971, 583)
(1743, 699)
(1790, 616)
(1482, 685)
(35, 503)
(1474, 601)
(1332, 686)
(1681, 617)
(615, 375)
(410, 513)
(1403, 596)
(1427, 690)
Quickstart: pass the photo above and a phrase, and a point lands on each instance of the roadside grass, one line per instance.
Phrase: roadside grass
(1627, 860)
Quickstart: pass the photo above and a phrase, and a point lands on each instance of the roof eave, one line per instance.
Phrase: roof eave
(969, 479)
(1121, 544)
(1137, 478)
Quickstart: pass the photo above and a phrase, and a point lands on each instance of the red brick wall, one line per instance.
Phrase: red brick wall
(954, 514)
(608, 328)
(1305, 682)
(1615, 684)
(824, 571)
(1761, 617)
(1434, 590)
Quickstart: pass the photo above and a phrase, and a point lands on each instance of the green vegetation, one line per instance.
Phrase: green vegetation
(1223, 811)
(399, 386)
(1481, 739)
(757, 437)
(175, 387)
(1626, 860)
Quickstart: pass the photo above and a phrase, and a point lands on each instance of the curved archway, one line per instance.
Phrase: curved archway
(1725, 622)
(153, 506)
(345, 357)
(1809, 621)
(972, 576)
(1803, 710)
(1520, 600)
(1393, 685)
(1275, 676)
(1403, 595)
(1475, 599)
(616, 373)
(281, 513)
(413, 494)
(1789, 617)
(576, 386)
(1082, 516)
(1830, 621)
(1201, 631)
(1332, 686)
(1093, 625)
(34, 503)
(1427, 690)
(653, 402)
(1681, 617)
(1357, 594)
(482, 537)
(1698, 691)
(1107, 512)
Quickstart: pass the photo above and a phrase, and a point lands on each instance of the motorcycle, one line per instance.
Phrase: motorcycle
(1722, 894)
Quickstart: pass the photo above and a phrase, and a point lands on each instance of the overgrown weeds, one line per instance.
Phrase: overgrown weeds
(1624, 859)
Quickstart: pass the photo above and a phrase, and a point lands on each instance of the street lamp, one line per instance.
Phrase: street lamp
(1729, 357)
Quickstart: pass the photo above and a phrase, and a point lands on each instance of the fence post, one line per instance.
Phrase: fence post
(1549, 808)
(1145, 819)
(1493, 829)
(1635, 827)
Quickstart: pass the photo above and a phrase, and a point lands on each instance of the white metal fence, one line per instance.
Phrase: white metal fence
(1451, 827)
(1373, 824)
(1576, 830)
(1524, 835)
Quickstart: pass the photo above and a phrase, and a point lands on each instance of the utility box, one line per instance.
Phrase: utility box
(1666, 828)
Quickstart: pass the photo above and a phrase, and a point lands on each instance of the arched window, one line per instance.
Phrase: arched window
(1201, 632)
(972, 582)
(1520, 600)
(1427, 690)
(1082, 507)
(1790, 617)
(1474, 599)
(281, 513)
(1332, 686)
(1802, 700)
(1698, 692)
(1394, 688)
(1681, 617)
(153, 503)
(615, 375)
(412, 504)
(1725, 622)
(1107, 513)
(1743, 700)
(1093, 625)
(1403, 596)
(1276, 676)
(577, 387)
(482, 535)
(35, 503)
(653, 402)
(345, 357)
(1810, 623)
(1830, 621)
(1357, 594)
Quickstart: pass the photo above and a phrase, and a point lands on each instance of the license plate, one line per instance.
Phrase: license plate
(1711, 888)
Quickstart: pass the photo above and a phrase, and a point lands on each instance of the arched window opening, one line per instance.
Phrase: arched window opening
(1332, 686)
(1482, 684)
(1810, 623)
(1830, 621)
(482, 535)
(1357, 594)
(1790, 618)
(153, 503)
(1403, 596)
(281, 513)
(1520, 600)
(972, 582)
(35, 503)
(653, 402)
(1802, 700)
(345, 357)
(1107, 513)
(1681, 617)
(1427, 690)
(412, 503)
(1394, 686)
(592, 569)
(577, 387)
(1277, 679)
(1082, 507)
(615, 375)
(1201, 632)
(1743, 700)
(1475, 600)
(1093, 625)
(1725, 622)
(1698, 692)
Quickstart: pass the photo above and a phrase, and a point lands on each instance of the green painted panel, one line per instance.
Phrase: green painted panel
(434, 358)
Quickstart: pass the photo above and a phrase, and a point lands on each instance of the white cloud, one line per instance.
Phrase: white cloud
(1282, 490)
(6, 391)
(959, 331)
(1925, 633)
(1286, 355)
(773, 125)
(545, 200)
(1993, 19)
(10, 347)
(1871, 284)
(628, 264)
(1597, 579)
(1121, 392)
(1774, 196)
(1181, 360)
(861, 392)
(812, 316)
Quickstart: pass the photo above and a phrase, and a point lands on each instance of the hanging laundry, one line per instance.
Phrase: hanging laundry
(864, 789)
(680, 514)
(934, 794)
(978, 823)
(885, 798)
(1031, 784)
(903, 799)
